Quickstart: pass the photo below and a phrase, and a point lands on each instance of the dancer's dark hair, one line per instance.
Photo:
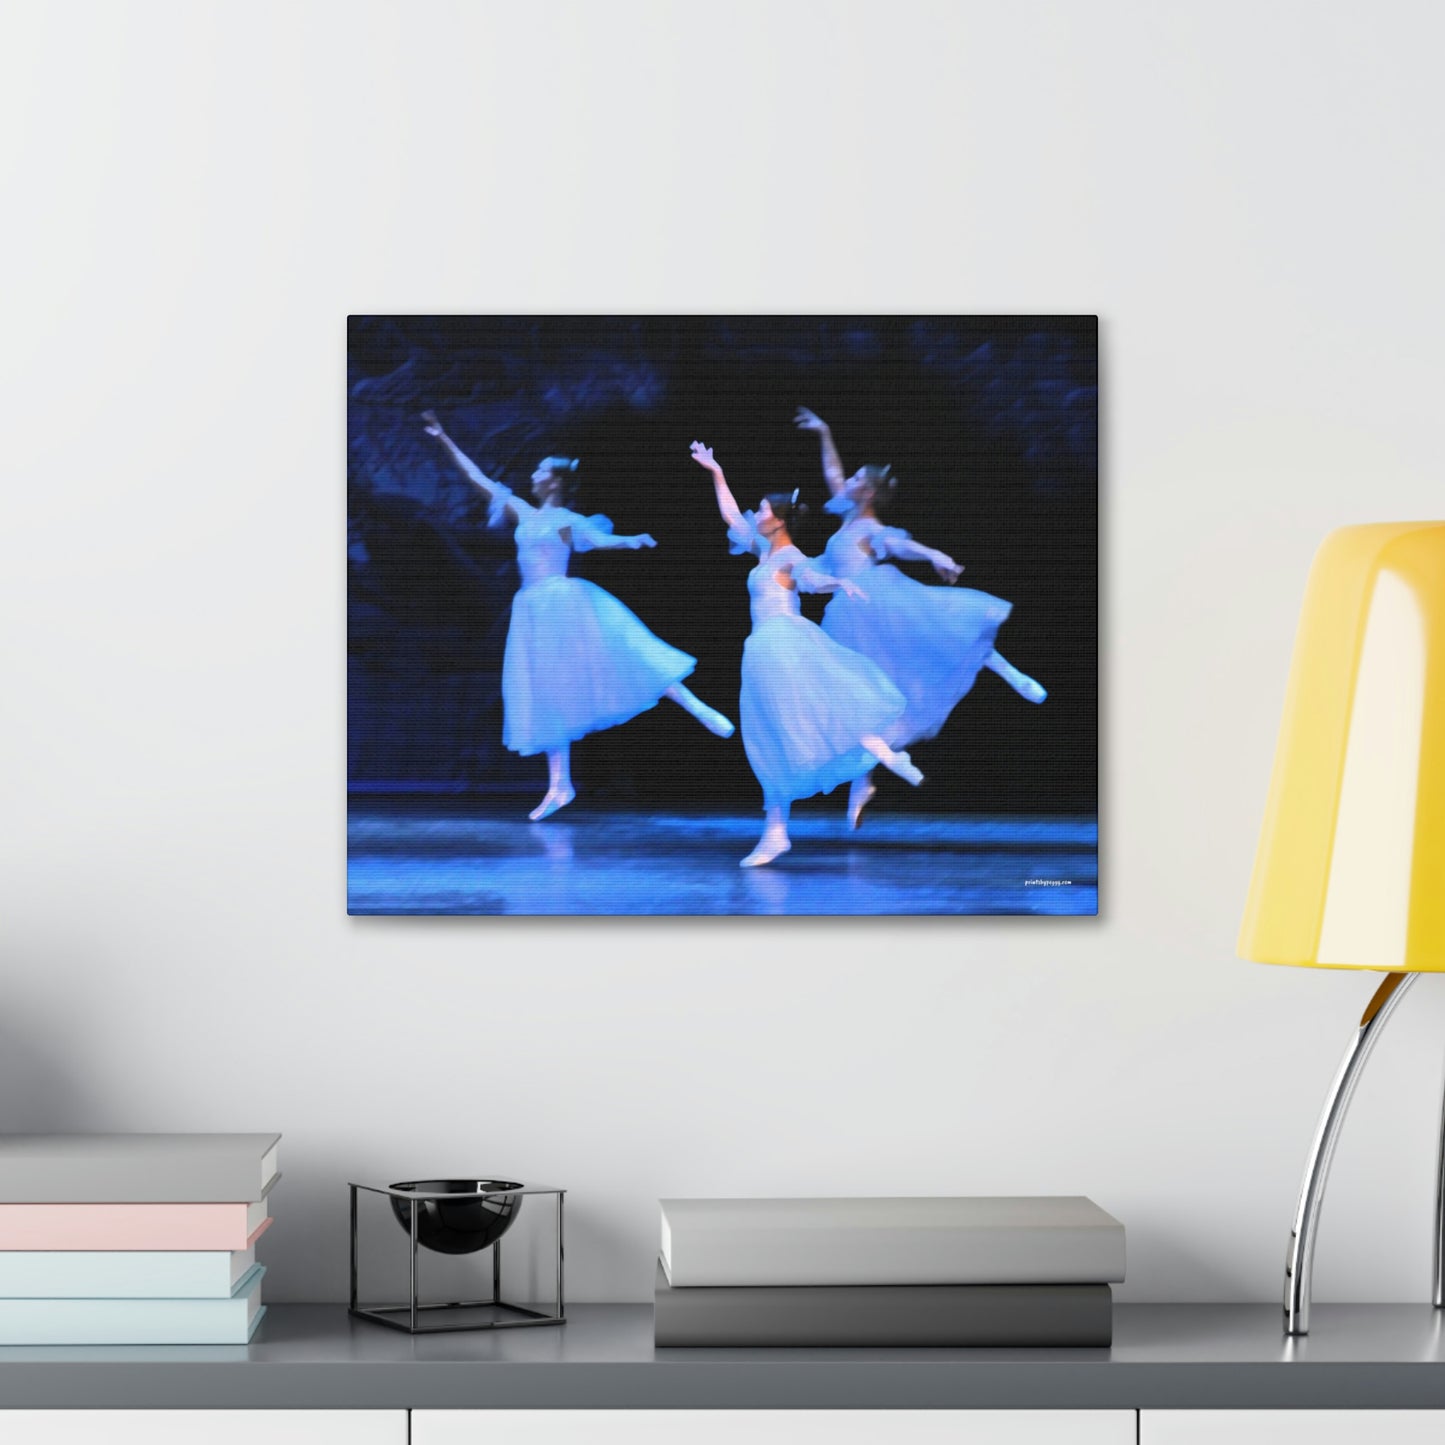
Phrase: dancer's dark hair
(884, 483)
(564, 469)
(786, 507)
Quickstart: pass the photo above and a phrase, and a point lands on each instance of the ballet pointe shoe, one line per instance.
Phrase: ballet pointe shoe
(897, 763)
(715, 722)
(694, 706)
(771, 845)
(1021, 682)
(859, 796)
(902, 766)
(556, 798)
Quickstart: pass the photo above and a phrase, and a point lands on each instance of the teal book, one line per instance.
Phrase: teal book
(229, 1321)
(123, 1273)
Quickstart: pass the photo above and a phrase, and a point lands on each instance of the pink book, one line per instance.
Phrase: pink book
(132, 1226)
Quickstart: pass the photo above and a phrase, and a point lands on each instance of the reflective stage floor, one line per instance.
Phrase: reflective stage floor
(580, 862)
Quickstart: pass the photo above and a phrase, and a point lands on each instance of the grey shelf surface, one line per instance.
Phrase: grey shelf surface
(1164, 1357)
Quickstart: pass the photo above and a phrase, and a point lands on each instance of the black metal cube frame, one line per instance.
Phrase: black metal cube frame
(415, 1318)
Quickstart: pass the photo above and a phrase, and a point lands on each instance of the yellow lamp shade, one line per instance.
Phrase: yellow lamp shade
(1350, 871)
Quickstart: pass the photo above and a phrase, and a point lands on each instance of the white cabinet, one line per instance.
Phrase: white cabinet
(774, 1427)
(1291, 1427)
(203, 1427)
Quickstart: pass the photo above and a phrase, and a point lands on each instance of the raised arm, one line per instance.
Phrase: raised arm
(807, 576)
(586, 536)
(832, 462)
(495, 493)
(891, 542)
(726, 503)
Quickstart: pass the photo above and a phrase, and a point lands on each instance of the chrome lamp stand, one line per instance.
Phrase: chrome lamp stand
(1299, 1264)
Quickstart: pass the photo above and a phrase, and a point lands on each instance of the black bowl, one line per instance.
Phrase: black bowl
(461, 1225)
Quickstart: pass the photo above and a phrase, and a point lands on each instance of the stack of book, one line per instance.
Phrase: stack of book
(132, 1239)
(905, 1272)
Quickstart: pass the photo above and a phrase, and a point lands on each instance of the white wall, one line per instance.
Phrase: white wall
(198, 193)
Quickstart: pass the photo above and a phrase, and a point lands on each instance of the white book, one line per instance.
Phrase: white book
(1063, 1239)
(122, 1273)
(137, 1168)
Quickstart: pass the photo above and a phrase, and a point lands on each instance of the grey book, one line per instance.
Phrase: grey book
(137, 1168)
(1051, 1240)
(883, 1315)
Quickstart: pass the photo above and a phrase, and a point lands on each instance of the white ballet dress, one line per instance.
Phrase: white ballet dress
(931, 641)
(577, 660)
(806, 701)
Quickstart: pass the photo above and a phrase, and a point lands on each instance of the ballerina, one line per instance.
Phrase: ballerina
(930, 641)
(576, 660)
(813, 713)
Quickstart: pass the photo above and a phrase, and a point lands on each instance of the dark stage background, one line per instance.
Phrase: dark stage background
(991, 423)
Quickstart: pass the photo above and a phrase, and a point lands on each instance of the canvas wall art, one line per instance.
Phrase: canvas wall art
(722, 615)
